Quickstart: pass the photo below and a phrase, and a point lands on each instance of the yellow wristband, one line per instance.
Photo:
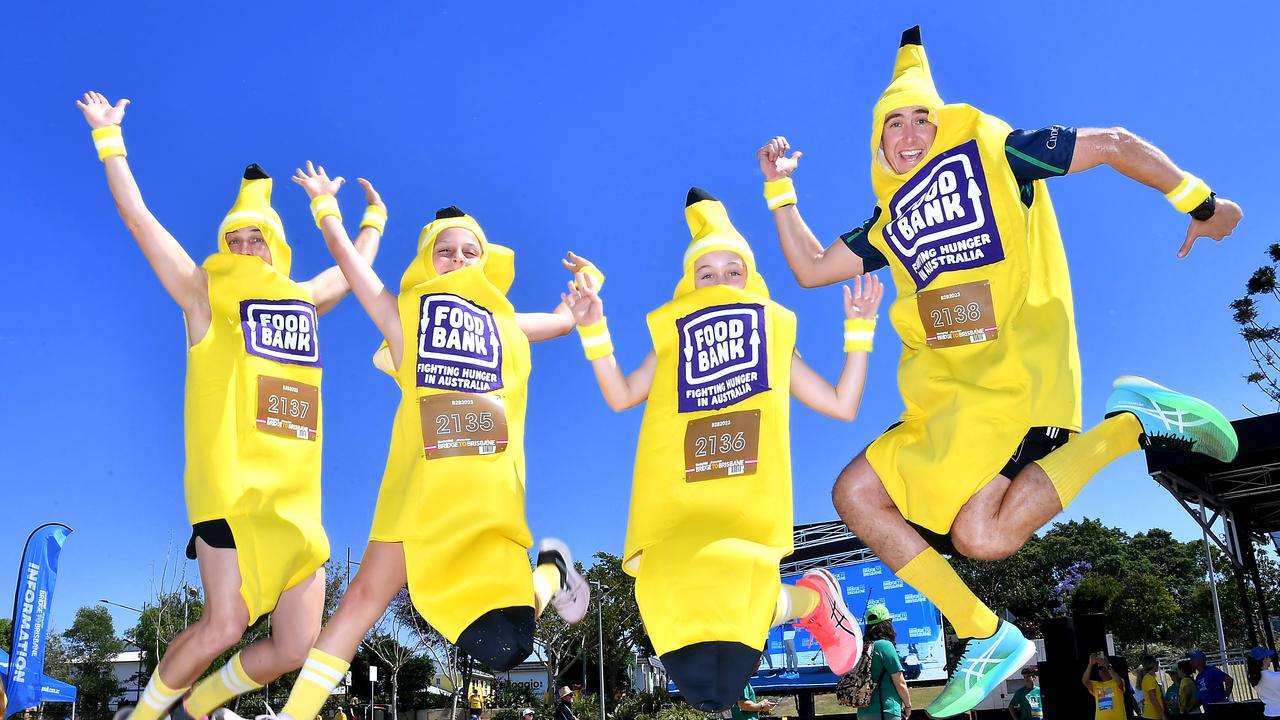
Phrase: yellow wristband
(375, 216)
(858, 334)
(322, 206)
(596, 341)
(1189, 193)
(109, 141)
(593, 272)
(780, 193)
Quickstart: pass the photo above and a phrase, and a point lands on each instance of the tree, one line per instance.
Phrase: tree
(91, 642)
(1142, 609)
(1262, 338)
(559, 642)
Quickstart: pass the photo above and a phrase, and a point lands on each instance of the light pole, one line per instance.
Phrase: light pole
(138, 678)
(600, 639)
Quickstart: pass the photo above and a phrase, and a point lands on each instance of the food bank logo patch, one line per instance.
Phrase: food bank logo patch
(723, 356)
(941, 219)
(281, 330)
(458, 345)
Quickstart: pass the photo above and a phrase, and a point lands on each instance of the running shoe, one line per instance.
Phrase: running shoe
(1174, 421)
(831, 624)
(574, 595)
(985, 664)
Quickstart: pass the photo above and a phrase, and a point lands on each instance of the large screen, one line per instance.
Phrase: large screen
(793, 659)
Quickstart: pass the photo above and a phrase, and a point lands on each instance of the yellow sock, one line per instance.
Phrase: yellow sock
(156, 700)
(794, 603)
(229, 682)
(1074, 464)
(931, 574)
(321, 673)
(546, 581)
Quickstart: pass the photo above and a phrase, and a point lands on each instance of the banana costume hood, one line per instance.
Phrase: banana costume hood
(453, 492)
(254, 422)
(983, 305)
(713, 448)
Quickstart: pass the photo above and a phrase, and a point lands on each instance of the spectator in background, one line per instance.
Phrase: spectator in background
(1025, 703)
(338, 714)
(1214, 685)
(1152, 703)
(1172, 701)
(1188, 691)
(748, 708)
(1106, 686)
(564, 706)
(1261, 665)
(891, 700)
(526, 714)
(476, 704)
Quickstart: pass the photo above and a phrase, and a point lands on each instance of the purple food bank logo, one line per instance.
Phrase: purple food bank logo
(941, 219)
(458, 345)
(281, 330)
(723, 356)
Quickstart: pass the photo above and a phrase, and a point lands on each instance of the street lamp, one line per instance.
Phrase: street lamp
(600, 638)
(138, 678)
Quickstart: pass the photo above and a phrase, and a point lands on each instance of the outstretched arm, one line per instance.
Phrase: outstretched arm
(559, 322)
(619, 391)
(841, 402)
(810, 263)
(377, 301)
(1138, 159)
(182, 278)
(330, 285)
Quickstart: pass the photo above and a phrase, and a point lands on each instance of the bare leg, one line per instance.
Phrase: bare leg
(221, 625)
(1000, 519)
(865, 506)
(381, 575)
(295, 624)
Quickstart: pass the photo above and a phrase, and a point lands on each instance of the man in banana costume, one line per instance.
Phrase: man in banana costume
(254, 430)
(718, 386)
(989, 447)
(450, 518)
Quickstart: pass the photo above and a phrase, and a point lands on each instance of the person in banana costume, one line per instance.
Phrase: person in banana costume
(715, 436)
(450, 518)
(989, 447)
(253, 425)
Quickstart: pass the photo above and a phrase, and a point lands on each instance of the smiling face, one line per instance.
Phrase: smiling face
(248, 241)
(720, 268)
(906, 137)
(455, 248)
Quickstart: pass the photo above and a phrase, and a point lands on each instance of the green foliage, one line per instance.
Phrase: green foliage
(682, 711)
(507, 713)
(1262, 338)
(91, 642)
(515, 696)
(586, 706)
(639, 705)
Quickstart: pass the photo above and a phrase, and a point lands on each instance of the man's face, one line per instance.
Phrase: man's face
(249, 241)
(1030, 680)
(906, 137)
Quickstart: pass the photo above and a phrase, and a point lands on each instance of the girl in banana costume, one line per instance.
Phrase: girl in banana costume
(450, 517)
(715, 435)
(254, 430)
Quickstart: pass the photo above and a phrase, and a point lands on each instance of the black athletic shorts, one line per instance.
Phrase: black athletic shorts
(1037, 443)
(215, 533)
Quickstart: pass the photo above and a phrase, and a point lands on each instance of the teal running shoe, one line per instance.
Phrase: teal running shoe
(985, 664)
(1174, 421)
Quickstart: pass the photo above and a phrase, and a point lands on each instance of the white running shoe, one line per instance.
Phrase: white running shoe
(574, 595)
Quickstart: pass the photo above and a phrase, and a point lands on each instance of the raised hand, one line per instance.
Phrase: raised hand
(575, 263)
(864, 300)
(99, 112)
(371, 196)
(316, 181)
(774, 162)
(583, 300)
(1226, 216)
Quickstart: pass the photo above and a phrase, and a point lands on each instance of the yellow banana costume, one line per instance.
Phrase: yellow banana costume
(453, 492)
(714, 436)
(983, 305)
(253, 413)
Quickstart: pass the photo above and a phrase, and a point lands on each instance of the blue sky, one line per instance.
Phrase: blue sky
(561, 129)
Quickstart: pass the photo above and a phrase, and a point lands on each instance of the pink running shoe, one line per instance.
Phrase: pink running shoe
(830, 623)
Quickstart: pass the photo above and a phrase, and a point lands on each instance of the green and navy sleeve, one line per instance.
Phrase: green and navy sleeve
(856, 240)
(1039, 154)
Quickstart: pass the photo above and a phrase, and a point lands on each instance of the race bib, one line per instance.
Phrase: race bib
(281, 330)
(723, 356)
(458, 345)
(458, 424)
(288, 408)
(941, 218)
(958, 315)
(724, 445)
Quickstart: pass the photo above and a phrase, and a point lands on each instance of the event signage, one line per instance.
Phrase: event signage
(31, 606)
